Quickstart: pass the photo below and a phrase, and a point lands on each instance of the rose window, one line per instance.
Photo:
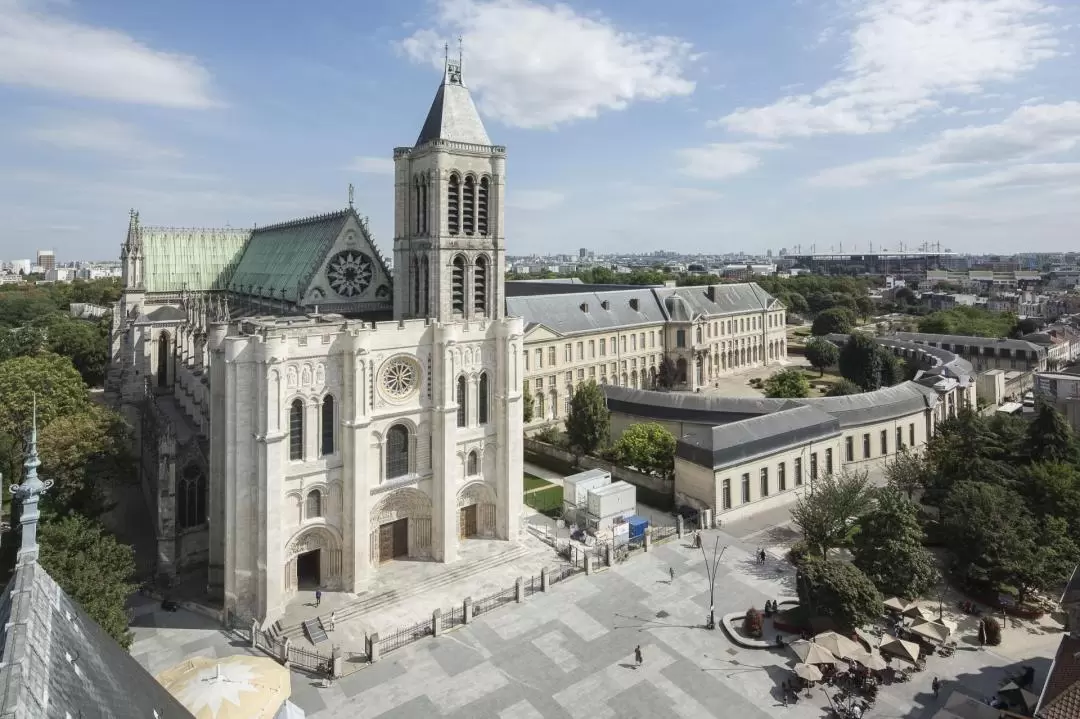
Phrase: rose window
(349, 272)
(400, 377)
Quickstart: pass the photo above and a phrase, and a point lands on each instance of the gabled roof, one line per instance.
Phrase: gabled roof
(586, 311)
(196, 260)
(738, 442)
(1060, 697)
(280, 260)
(711, 300)
(57, 662)
(453, 115)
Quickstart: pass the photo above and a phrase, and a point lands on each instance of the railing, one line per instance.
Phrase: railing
(406, 635)
(454, 617)
(495, 601)
(533, 585)
(308, 659)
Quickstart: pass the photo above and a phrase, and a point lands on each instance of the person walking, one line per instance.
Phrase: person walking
(637, 655)
(318, 597)
(330, 673)
(671, 573)
(936, 686)
(761, 556)
(333, 619)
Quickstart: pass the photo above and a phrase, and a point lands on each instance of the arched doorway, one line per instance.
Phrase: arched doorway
(476, 510)
(313, 559)
(401, 526)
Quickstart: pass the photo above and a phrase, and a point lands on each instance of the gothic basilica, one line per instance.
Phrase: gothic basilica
(302, 413)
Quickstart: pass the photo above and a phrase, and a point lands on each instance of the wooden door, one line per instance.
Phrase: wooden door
(401, 538)
(467, 521)
(386, 542)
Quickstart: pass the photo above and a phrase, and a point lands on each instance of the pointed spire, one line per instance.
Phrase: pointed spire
(453, 115)
(28, 494)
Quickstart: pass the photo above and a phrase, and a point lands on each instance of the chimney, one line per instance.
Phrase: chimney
(605, 305)
(710, 292)
(634, 304)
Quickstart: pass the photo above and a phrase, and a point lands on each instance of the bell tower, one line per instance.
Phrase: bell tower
(449, 245)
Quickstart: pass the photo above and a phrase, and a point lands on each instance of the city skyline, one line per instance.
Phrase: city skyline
(706, 130)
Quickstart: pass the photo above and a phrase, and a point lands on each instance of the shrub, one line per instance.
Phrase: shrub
(550, 435)
(798, 552)
(991, 630)
(752, 623)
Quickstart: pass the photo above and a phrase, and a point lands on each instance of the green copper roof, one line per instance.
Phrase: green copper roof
(284, 257)
(189, 259)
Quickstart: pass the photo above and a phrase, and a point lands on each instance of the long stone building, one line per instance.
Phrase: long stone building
(290, 438)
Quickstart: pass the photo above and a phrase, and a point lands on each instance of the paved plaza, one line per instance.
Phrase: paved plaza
(570, 653)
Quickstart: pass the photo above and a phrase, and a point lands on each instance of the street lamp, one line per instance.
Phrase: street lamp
(710, 571)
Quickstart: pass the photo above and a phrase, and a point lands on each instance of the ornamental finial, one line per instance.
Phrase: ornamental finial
(28, 494)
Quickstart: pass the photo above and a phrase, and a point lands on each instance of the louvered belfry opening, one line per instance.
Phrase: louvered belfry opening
(457, 286)
(482, 207)
(480, 286)
(453, 205)
(468, 205)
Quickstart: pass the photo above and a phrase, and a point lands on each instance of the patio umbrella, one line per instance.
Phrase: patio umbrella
(896, 604)
(930, 630)
(808, 672)
(866, 638)
(908, 651)
(237, 687)
(811, 653)
(873, 662)
(838, 644)
(916, 612)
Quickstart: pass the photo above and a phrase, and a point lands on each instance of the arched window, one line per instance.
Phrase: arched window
(482, 207)
(453, 204)
(414, 272)
(480, 286)
(163, 360)
(698, 337)
(425, 279)
(314, 504)
(468, 205)
(296, 430)
(328, 425)
(423, 205)
(418, 207)
(462, 408)
(457, 285)
(472, 466)
(397, 451)
(680, 370)
(482, 399)
(191, 493)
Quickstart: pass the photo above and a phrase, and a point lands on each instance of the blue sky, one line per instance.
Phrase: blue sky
(698, 125)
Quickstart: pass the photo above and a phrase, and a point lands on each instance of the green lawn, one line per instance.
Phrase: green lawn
(534, 482)
(547, 501)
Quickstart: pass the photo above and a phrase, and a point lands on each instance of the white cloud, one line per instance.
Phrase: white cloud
(1029, 132)
(1061, 175)
(103, 136)
(719, 160)
(372, 165)
(653, 199)
(534, 199)
(534, 65)
(904, 57)
(41, 50)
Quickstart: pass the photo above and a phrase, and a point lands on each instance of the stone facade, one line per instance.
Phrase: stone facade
(289, 438)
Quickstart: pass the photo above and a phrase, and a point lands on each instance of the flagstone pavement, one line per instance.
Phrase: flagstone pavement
(569, 653)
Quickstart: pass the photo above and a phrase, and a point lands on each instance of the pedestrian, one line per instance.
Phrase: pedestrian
(761, 556)
(330, 672)
(982, 635)
(671, 573)
(936, 686)
(637, 655)
(318, 597)
(333, 619)
(784, 691)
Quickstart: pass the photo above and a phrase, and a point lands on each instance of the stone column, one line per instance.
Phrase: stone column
(506, 400)
(360, 467)
(444, 536)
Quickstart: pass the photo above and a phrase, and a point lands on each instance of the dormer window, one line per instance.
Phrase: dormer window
(634, 304)
(605, 305)
(584, 307)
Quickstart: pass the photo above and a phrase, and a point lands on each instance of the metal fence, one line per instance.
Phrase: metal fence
(406, 635)
(308, 659)
(661, 534)
(454, 617)
(495, 601)
(533, 585)
(563, 573)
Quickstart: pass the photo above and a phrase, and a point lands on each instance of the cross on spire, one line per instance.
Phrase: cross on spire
(28, 494)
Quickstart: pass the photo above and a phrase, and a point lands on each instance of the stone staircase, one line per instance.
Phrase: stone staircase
(374, 602)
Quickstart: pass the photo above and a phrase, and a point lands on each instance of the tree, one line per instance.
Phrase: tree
(889, 547)
(837, 320)
(795, 302)
(842, 388)
(588, 425)
(907, 472)
(839, 590)
(966, 449)
(648, 447)
(822, 354)
(85, 454)
(825, 516)
(1052, 489)
(24, 341)
(93, 568)
(666, 374)
(85, 343)
(988, 531)
(1026, 326)
(1050, 438)
(787, 383)
(861, 362)
(526, 404)
(893, 368)
(52, 379)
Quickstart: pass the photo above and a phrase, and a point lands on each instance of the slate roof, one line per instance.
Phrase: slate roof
(711, 300)
(453, 115)
(57, 662)
(1060, 698)
(737, 442)
(850, 411)
(197, 260)
(287, 255)
(967, 341)
(564, 313)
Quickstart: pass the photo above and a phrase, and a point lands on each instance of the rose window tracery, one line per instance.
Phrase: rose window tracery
(400, 377)
(349, 272)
